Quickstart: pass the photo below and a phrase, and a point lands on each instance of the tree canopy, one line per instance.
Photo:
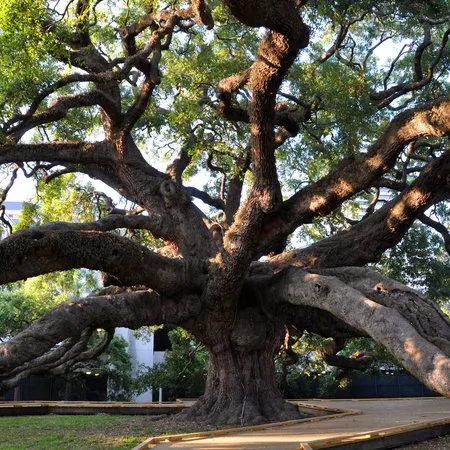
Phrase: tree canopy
(263, 154)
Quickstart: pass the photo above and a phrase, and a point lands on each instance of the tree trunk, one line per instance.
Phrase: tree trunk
(241, 387)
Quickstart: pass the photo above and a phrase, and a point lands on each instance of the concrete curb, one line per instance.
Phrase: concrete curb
(371, 399)
(47, 407)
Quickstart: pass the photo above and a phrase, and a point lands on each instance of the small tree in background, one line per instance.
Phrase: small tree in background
(184, 370)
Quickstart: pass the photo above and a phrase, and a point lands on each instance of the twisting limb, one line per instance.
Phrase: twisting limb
(441, 229)
(370, 52)
(86, 355)
(59, 360)
(236, 184)
(390, 184)
(217, 203)
(326, 55)
(390, 326)
(176, 169)
(388, 95)
(356, 174)
(45, 363)
(226, 88)
(151, 69)
(3, 194)
(102, 77)
(338, 42)
(152, 18)
(127, 309)
(59, 110)
(101, 160)
(214, 168)
(418, 70)
(203, 13)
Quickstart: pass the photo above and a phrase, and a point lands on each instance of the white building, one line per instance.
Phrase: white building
(148, 352)
(12, 215)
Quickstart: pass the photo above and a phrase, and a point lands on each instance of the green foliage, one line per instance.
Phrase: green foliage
(24, 62)
(420, 261)
(116, 363)
(183, 372)
(383, 360)
(301, 378)
(311, 376)
(62, 199)
(23, 302)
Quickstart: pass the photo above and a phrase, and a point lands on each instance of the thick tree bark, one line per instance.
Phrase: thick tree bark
(241, 387)
(43, 249)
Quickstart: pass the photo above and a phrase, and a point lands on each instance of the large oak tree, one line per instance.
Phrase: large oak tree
(295, 114)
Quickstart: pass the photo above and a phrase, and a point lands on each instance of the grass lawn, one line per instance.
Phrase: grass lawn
(52, 432)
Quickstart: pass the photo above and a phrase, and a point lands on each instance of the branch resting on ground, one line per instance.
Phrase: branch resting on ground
(124, 309)
(379, 307)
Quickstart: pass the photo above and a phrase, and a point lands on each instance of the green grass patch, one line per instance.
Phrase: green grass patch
(79, 432)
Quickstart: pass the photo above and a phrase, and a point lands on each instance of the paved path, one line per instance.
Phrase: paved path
(376, 414)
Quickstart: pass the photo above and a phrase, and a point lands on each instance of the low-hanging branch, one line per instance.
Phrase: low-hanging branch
(387, 326)
(125, 309)
(53, 247)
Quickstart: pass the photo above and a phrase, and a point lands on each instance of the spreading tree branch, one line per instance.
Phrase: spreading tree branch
(83, 153)
(53, 247)
(423, 355)
(367, 240)
(355, 174)
(127, 309)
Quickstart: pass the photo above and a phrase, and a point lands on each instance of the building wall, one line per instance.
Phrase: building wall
(12, 214)
(142, 353)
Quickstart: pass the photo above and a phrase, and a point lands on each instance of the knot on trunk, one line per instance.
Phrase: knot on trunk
(249, 330)
(172, 195)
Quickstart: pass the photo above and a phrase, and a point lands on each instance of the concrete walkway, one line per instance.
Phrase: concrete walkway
(375, 415)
